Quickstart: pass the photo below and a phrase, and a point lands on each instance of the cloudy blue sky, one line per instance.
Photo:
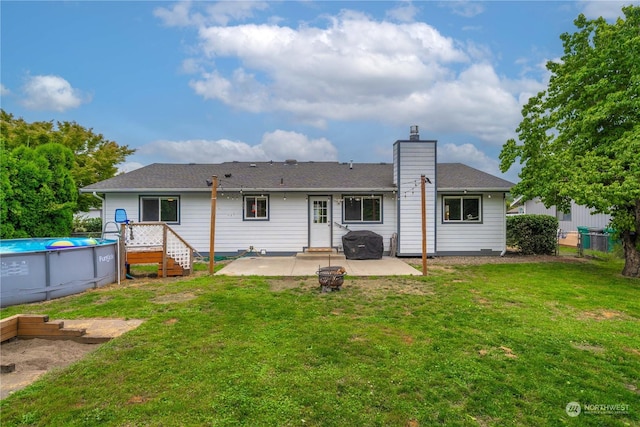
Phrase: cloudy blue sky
(208, 82)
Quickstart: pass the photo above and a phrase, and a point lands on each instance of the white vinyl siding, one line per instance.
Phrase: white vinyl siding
(285, 232)
(472, 237)
(580, 216)
(415, 158)
(385, 229)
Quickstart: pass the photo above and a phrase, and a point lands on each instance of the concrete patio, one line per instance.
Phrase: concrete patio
(308, 265)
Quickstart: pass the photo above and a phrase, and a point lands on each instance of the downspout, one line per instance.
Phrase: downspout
(102, 205)
(504, 223)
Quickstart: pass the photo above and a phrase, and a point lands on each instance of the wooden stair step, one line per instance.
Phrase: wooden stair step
(37, 326)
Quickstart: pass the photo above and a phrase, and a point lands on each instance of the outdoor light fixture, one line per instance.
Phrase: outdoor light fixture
(209, 182)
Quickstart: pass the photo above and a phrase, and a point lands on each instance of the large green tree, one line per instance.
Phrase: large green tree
(38, 192)
(580, 138)
(95, 157)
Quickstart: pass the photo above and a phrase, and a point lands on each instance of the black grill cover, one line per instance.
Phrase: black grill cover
(362, 244)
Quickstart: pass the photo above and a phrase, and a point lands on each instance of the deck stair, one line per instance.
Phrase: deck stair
(37, 326)
(155, 257)
(157, 243)
(321, 255)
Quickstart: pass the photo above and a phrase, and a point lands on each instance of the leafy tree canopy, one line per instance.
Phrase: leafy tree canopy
(94, 157)
(38, 192)
(580, 138)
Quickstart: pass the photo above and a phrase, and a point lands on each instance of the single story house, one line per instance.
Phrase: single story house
(286, 207)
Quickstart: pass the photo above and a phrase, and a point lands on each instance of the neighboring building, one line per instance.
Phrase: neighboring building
(568, 222)
(91, 213)
(281, 208)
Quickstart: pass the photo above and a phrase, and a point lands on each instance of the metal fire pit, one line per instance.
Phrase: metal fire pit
(331, 278)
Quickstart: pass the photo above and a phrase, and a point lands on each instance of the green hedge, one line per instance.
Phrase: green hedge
(83, 224)
(532, 234)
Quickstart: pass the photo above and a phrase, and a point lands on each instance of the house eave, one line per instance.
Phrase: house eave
(142, 190)
(473, 190)
(243, 189)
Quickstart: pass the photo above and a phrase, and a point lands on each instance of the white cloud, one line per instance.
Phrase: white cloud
(470, 156)
(181, 13)
(128, 167)
(465, 8)
(225, 11)
(4, 91)
(357, 68)
(405, 12)
(610, 9)
(51, 93)
(282, 145)
(278, 145)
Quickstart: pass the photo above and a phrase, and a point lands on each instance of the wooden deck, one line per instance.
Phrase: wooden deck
(155, 256)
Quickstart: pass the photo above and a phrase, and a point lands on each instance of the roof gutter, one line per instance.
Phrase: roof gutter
(222, 188)
(471, 189)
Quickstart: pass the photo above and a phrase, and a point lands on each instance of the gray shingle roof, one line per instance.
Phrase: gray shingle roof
(457, 176)
(287, 176)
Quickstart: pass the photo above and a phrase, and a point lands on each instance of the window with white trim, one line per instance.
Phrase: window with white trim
(462, 209)
(160, 208)
(360, 208)
(256, 208)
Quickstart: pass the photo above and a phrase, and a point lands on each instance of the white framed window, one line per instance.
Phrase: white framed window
(160, 208)
(361, 208)
(256, 208)
(457, 209)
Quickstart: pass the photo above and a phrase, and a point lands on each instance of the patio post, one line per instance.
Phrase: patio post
(212, 234)
(424, 224)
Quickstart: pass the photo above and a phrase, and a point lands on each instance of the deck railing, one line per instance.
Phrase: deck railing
(158, 236)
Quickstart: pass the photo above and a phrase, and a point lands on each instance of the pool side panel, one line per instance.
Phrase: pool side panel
(38, 276)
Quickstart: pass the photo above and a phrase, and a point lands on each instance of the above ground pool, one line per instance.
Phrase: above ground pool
(40, 269)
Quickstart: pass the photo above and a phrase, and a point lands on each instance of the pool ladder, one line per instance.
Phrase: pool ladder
(116, 231)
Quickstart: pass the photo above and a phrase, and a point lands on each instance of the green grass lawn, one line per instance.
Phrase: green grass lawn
(495, 344)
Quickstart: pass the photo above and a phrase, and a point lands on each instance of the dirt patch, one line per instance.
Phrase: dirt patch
(634, 351)
(588, 347)
(508, 258)
(34, 357)
(372, 286)
(603, 315)
(498, 351)
(174, 298)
